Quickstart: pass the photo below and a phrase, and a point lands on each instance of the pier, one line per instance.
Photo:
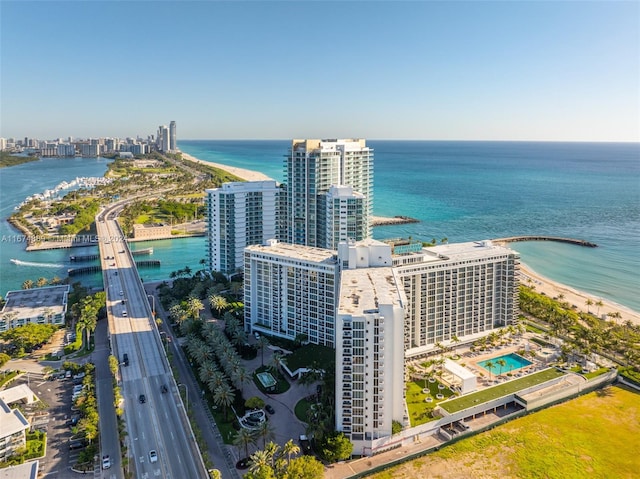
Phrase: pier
(91, 257)
(514, 239)
(395, 220)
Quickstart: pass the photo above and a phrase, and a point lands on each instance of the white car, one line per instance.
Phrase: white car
(106, 462)
(153, 456)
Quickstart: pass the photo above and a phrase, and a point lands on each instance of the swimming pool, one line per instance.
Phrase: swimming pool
(267, 380)
(513, 362)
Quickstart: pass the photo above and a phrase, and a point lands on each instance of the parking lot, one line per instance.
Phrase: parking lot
(54, 419)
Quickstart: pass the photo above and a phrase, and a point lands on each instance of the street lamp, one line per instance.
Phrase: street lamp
(153, 299)
(186, 392)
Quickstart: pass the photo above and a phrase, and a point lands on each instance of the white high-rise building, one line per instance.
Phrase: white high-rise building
(312, 167)
(163, 139)
(239, 214)
(290, 290)
(341, 216)
(389, 314)
(173, 144)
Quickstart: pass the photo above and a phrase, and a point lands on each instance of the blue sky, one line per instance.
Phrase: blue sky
(544, 70)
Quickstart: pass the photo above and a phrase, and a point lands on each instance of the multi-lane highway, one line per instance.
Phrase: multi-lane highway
(155, 416)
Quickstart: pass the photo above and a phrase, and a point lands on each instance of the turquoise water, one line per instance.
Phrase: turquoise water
(513, 362)
(459, 190)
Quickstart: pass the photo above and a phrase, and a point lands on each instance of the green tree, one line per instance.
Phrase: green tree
(42, 281)
(290, 448)
(223, 396)
(304, 467)
(502, 363)
(243, 438)
(194, 306)
(266, 432)
(27, 284)
(219, 303)
(489, 365)
(336, 447)
(4, 358)
(254, 403)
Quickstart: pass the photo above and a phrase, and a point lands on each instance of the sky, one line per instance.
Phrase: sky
(542, 70)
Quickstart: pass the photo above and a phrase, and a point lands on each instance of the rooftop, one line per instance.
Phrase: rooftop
(28, 470)
(25, 301)
(11, 421)
(295, 252)
(364, 289)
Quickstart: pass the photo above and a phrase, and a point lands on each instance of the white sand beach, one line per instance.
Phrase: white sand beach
(247, 175)
(575, 297)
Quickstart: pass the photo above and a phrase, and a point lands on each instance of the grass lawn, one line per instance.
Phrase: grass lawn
(309, 356)
(500, 390)
(419, 409)
(302, 410)
(596, 435)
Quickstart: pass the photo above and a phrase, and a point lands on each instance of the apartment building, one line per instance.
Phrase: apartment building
(13, 428)
(46, 305)
(291, 290)
(312, 167)
(239, 214)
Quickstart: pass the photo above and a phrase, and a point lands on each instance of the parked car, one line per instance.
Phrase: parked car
(78, 444)
(269, 409)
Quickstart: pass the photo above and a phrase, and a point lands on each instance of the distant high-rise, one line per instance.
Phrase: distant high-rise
(239, 214)
(163, 138)
(312, 167)
(173, 145)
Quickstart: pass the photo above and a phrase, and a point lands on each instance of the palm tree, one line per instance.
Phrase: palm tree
(240, 378)
(42, 281)
(455, 340)
(502, 363)
(194, 306)
(55, 280)
(266, 432)
(489, 365)
(219, 303)
(262, 342)
(224, 396)
(290, 448)
(588, 302)
(259, 460)
(27, 284)
(599, 304)
(244, 437)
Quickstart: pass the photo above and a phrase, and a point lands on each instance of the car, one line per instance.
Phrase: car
(122, 301)
(153, 456)
(113, 264)
(121, 293)
(256, 334)
(79, 444)
(124, 313)
(142, 399)
(122, 251)
(164, 388)
(106, 462)
(269, 409)
(125, 359)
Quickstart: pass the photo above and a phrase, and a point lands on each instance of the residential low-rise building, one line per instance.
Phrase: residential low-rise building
(13, 429)
(47, 305)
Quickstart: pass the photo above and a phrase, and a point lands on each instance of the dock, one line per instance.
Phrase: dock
(514, 239)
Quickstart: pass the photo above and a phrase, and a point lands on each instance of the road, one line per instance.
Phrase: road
(159, 423)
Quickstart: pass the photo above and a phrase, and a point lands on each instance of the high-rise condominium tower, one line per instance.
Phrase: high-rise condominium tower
(173, 145)
(312, 167)
(239, 215)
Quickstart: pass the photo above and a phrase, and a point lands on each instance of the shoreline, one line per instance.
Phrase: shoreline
(576, 297)
(247, 175)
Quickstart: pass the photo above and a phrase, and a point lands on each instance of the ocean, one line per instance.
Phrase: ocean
(461, 191)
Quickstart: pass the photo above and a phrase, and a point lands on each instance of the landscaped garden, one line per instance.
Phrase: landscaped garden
(500, 390)
(311, 356)
(420, 411)
(595, 435)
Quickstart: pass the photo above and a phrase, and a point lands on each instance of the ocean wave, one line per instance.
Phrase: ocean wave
(40, 265)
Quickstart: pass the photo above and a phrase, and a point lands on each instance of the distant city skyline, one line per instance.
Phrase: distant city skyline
(550, 71)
